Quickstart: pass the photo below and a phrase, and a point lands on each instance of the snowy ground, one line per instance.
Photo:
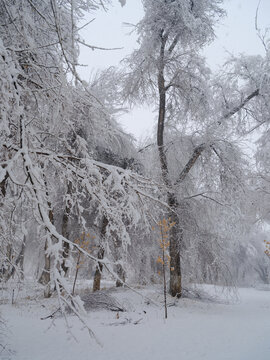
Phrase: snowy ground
(194, 330)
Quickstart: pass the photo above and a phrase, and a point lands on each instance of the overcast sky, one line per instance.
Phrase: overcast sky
(235, 34)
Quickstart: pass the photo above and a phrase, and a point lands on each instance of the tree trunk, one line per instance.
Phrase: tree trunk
(65, 231)
(176, 236)
(3, 184)
(99, 267)
(21, 259)
(45, 276)
(121, 274)
(176, 233)
(65, 255)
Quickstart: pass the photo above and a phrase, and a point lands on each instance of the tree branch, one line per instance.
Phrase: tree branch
(92, 47)
(174, 43)
(199, 149)
(240, 106)
(194, 157)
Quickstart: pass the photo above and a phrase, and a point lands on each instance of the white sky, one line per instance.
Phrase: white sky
(235, 34)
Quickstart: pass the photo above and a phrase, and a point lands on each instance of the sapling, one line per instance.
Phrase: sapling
(267, 250)
(84, 242)
(164, 228)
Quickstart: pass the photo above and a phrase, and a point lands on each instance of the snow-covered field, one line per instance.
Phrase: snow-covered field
(238, 329)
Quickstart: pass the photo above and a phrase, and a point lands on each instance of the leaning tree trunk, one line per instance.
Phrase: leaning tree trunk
(176, 233)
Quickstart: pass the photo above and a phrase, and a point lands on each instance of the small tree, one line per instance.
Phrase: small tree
(164, 228)
(267, 250)
(84, 243)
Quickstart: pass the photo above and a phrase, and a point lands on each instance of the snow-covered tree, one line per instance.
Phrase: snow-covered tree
(55, 130)
(168, 70)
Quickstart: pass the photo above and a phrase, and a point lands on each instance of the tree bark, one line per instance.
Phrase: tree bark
(99, 267)
(45, 276)
(176, 237)
(65, 231)
(98, 272)
(21, 258)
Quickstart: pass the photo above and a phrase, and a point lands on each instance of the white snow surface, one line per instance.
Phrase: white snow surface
(237, 329)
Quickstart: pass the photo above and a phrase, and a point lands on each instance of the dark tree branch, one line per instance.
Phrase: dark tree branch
(92, 47)
(240, 106)
(194, 157)
(199, 149)
(3, 184)
(174, 43)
